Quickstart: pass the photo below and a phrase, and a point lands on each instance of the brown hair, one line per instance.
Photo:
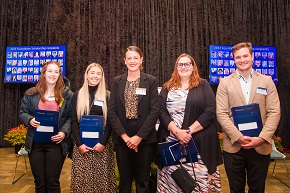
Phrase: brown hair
(242, 45)
(41, 86)
(175, 81)
(135, 49)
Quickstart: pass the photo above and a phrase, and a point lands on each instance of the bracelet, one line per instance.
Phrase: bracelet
(188, 128)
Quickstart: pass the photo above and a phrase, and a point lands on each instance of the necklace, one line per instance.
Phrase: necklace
(50, 94)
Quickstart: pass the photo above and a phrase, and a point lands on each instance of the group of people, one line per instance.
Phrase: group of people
(186, 107)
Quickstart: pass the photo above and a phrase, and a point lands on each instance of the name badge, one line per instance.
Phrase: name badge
(159, 90)
(141, 91)
(41, 128)
(51, 98)
(99, 103)
(261, 90)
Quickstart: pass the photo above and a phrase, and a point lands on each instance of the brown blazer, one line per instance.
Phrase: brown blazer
(230, 94)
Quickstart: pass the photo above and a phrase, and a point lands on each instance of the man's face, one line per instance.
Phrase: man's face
(243, 59)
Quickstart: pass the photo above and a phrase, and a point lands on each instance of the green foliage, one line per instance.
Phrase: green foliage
(117, 178)
(16, 135)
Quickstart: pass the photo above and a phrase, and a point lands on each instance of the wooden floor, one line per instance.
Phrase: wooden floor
(26, 185)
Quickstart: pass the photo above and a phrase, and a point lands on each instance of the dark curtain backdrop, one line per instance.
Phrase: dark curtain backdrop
(99, 31)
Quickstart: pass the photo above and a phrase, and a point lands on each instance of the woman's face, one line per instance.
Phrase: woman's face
(133, 61)
(52, 74)
(184, 67)
(94, 76)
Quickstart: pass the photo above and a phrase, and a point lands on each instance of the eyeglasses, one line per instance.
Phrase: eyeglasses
(186, 65)
(56, 73)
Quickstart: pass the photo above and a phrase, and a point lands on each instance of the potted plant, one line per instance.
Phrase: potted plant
(16, 136)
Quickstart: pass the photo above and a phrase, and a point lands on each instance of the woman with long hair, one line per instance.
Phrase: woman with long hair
(93, 168)
(187, 112)
(47, 158)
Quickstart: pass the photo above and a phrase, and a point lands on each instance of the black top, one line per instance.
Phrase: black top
(95, 110)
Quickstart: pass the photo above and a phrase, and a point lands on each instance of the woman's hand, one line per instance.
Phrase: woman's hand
(83, 149)
(59, 137)
(131, 142)
(99, 147)
(134, 142)
(184, 136)
(34, 123)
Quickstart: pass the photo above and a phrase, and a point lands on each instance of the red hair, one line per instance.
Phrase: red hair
(175, 82)
(41, 86)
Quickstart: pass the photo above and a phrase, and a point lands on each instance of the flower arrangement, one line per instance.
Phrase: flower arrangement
(221, 137)
(277, 141)
(16, 135)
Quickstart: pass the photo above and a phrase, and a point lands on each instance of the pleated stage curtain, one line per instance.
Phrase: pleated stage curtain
(100, 30)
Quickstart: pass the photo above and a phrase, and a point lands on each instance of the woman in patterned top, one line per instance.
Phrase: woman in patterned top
(93, 168)
(133, 112)
(187, 112)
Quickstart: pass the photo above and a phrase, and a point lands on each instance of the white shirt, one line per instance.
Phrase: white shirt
(246, 85)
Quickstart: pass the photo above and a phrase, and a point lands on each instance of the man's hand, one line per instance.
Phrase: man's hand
(253, 142)
(244, 140)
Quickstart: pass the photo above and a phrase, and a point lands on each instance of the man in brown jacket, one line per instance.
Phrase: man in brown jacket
(247, 158)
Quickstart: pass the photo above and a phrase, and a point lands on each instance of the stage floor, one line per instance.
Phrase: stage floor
(26, 185)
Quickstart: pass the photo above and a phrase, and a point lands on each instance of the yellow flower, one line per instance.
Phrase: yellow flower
(16, 135)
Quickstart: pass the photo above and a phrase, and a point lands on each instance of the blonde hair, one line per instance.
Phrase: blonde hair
(242, 45)
(83, 101)
(175, 81)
